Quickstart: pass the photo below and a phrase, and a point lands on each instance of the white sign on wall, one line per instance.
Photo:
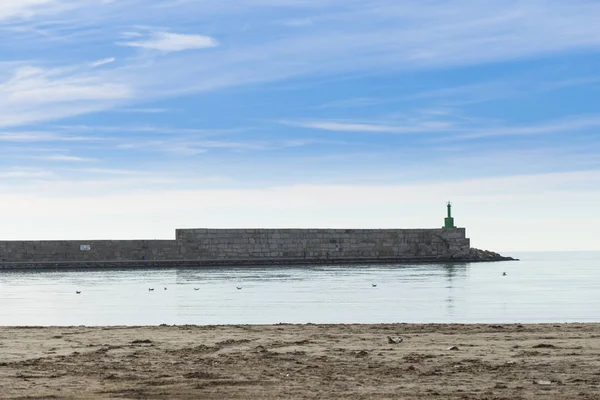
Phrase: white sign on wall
(85, 247)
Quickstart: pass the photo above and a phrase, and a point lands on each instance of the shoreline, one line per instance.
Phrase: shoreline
(334, 361)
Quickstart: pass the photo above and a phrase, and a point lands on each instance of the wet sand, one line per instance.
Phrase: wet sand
(556, 361)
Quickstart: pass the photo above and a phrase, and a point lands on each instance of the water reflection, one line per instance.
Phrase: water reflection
(319, 294)
(458, 270)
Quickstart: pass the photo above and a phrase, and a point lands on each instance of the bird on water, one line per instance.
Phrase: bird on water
(78, 291)
(239, 287)
(196, 288)
(504, 274)
(150, 289)
(374, 284)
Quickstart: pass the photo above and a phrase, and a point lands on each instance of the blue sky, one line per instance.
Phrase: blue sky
(130, 118)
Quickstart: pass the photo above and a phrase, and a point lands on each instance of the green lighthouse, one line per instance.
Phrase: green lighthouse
(449, 221)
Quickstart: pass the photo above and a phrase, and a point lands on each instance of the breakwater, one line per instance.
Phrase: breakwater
(206, 247)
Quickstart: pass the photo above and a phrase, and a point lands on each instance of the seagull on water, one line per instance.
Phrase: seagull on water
(374, 284)
(196, 288)
(78, 291)
(239, 287)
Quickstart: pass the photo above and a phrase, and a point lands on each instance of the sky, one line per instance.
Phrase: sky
(131, 118)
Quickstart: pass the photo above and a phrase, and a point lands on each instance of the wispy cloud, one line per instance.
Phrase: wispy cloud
(355, 102)
(26, 173)
(102, 62)
(27, 137)
(34, 94)
(454, 127)
(130, 35)
(156, 129)
(487, 91)
(112, 171)
(574, 124)
(41, 136)
(408, 127)
(65, 158)
(28, 8)
(168, 42)
(143, 110)
(190, 147)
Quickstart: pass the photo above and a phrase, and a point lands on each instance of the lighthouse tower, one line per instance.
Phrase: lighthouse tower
(449, 221)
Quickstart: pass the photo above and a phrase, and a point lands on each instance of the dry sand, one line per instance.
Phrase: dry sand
(302, 361)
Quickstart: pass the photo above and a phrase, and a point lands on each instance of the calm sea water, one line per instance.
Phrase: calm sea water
(542, 287)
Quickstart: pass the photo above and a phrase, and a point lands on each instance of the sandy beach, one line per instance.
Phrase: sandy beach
(556, 361)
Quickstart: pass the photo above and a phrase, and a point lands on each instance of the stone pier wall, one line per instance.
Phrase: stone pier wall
(92, 250)
(235, 244)
(319, 243)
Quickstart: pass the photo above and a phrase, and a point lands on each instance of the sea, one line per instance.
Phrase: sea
(543, 287)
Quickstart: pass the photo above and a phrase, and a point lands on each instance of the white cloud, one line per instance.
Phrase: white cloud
(26, 8)
(453, 126)
(191, 147)
(35, 94)
(150, 129)
(129, 35)
(102, 62)
(168, 42)
(64, 158)
(569, 125)
(356, 102)
(143, 110)
(41, 136)
(38, 86)
(111, 171)
(408, 127)
(25, 174)
(349, 127)
(27, 137)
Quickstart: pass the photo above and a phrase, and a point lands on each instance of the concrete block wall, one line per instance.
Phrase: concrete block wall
(194, 244)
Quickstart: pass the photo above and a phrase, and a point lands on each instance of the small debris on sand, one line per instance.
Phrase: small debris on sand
(395, 339)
